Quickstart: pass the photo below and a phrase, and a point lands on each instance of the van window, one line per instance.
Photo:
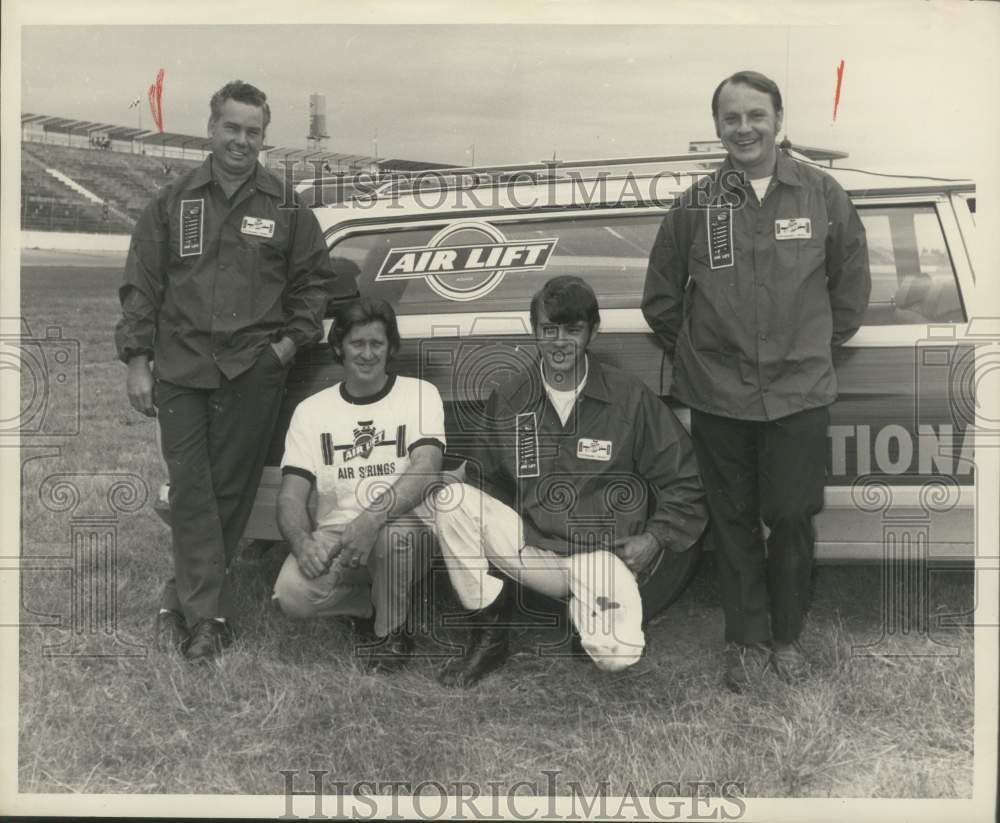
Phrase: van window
(610, 252)
(913, 278)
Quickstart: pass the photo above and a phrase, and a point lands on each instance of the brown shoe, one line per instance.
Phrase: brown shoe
(208, 640)
(744, 665)
(171, 632)
(789, 663)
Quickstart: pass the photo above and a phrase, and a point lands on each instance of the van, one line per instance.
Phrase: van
(460, 252)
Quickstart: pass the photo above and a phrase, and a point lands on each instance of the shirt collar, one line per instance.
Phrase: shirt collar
(263, 179)
(596, 386)
(202, 175)
(531, 388)
(267, 181)
(368, 399)
(786, 169)
(576, 389)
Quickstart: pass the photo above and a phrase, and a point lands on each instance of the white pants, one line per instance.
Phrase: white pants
(604, 604)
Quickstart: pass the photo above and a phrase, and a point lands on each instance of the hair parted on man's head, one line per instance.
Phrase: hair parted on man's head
(566, 299)
(753, 79)
(360, 312)
(242, 93)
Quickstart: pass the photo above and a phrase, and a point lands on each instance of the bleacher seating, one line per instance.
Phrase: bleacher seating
(48, 205)
(125, 181)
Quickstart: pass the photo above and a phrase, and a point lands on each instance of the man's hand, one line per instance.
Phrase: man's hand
(139, 385)
(637, 551)
(284, 350)
(316, 552)
(359, 538)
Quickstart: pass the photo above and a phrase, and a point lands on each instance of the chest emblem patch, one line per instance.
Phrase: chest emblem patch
(720, 236)
(192, 227)
(794, 228)
(257, 226)
(590, 449)
(526, 428)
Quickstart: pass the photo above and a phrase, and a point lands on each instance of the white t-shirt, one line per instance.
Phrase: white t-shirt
(563, 401)
(354, 448)
(760, 186)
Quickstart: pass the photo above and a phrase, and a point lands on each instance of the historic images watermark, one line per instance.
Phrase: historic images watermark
(49, 367)
(326, 798)
(955, 368)
(91, 503)
(520, 190)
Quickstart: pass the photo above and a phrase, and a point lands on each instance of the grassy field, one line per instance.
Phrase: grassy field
(895, 723)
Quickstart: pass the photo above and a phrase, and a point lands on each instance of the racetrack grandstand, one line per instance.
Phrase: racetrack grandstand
(64, 188)
(87, 177)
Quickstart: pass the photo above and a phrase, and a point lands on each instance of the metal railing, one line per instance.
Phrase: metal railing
(69, 218)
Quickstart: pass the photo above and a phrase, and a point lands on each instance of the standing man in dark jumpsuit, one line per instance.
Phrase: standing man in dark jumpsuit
(224, 282)
(757, 273)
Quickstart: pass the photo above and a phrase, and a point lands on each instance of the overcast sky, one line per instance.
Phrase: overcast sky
(912, 97)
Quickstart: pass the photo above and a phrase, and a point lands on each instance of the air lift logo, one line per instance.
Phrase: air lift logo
(466, 261)
(365, 440)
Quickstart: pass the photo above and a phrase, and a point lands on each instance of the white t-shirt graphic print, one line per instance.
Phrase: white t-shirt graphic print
(354, 448)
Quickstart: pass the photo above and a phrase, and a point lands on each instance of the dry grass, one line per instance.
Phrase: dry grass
(290, 696)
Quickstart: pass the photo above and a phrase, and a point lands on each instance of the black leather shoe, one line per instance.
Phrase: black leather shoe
(208, 640)
(578, 653)
(171, 632)
(388, 654)
(489, 648)
(363, 632)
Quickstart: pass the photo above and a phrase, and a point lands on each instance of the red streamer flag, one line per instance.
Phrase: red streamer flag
(836, 97)
(156, 100)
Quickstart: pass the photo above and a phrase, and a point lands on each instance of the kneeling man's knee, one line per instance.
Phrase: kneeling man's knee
(290, 592)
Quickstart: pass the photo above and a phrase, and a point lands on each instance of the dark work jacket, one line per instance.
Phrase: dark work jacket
(210, 282)
(753, 339)
(622, 464)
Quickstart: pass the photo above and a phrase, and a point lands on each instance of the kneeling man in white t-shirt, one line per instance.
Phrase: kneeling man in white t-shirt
(371, 447)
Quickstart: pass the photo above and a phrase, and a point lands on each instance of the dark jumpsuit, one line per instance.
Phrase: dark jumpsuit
(749, 299)
(210, 282)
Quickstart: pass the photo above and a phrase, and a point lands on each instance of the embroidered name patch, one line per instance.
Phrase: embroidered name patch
(192, 226)
(720, 236)
(589, 449)
(258, 226)
(526, 430)
(795, 228)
